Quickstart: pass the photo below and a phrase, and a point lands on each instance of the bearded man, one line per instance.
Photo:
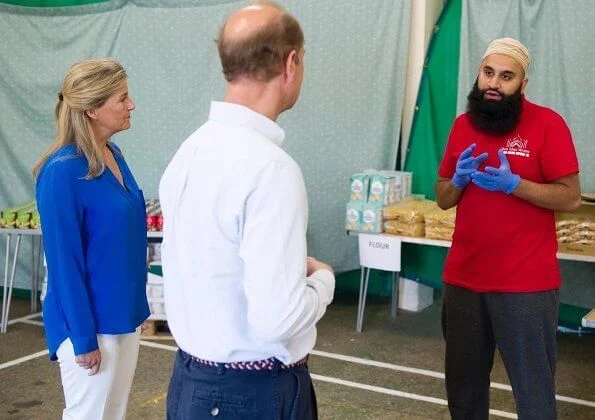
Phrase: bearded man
(508, 165)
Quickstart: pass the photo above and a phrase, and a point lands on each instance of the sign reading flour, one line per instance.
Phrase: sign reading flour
(382, 252)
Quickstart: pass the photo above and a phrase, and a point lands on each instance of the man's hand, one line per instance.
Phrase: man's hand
(497, 179)
(467, 165)
(91, 361)
(313, 265)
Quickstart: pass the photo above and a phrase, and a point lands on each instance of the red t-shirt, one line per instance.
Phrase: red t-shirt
(502, 243)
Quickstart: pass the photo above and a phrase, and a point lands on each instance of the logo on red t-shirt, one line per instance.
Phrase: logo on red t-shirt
(517, 147)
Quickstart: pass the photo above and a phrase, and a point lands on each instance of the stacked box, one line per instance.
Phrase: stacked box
(359, 185)
(381, 189)
(372, 218)
(354, 216)
(371, 190)
(401, 184)
(414, 296)
(407, 182)
(394, 179)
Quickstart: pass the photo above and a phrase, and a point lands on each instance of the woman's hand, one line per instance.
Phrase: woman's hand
(91, 361)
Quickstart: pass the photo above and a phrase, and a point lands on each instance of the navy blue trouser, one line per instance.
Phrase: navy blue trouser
(197, 391)
(523, 328)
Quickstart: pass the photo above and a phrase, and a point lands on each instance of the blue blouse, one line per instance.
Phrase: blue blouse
(95, 240)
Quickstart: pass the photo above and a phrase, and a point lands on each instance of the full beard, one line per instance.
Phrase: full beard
(494, 117)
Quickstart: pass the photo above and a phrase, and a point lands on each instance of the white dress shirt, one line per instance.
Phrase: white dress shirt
(234, 244)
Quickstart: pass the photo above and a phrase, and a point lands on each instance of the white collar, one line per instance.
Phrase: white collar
(236, 114)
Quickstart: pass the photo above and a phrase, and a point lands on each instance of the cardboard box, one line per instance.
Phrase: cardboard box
(353, 216)
(372, 221)
(414, 296)
(381, 189)
(582, 220)
(359, 186)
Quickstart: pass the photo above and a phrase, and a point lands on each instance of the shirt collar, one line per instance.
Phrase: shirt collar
(236, 114)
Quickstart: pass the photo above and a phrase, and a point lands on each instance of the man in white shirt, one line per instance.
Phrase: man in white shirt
(242, 297)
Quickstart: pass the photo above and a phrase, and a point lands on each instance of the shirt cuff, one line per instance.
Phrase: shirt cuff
(323, 281)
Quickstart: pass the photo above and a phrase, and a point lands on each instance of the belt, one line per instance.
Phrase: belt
(266, 364)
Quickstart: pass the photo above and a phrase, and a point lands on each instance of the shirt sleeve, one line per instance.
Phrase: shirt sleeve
(282, 302)
(61, 215)
(558, 156)
(451, 154)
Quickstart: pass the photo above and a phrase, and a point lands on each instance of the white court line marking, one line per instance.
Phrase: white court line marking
(316, 353)
(23, 318)
(402, 394)
(357, 385)
(24, 359)
(158, 345)
(384, 365)
(31, 322)
(431, 373)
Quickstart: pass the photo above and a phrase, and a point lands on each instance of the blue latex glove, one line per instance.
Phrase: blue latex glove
(497, 179)
(466, 165)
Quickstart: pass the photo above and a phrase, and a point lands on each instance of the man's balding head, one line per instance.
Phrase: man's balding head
(256, 40)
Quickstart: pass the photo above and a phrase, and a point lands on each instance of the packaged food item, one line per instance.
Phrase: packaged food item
(440, 224)
(381, 189)
(576, 228)
(154, 216)
(359, 185)
(35, 219)
(407, 183)
(437, 232)
(372, 218)
(407, 217)
(396, 227)
(409, 211)
(374, 189)
(24, 216)
(8, 217)
(576, 231)
(354, 216)
(440, 217)
(397, 191)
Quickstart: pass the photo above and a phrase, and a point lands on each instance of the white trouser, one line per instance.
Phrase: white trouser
(103, 396)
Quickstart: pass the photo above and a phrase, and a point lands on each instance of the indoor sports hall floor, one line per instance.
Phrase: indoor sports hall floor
(393, 370)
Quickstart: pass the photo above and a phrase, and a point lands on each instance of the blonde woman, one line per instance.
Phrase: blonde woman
(94, 234)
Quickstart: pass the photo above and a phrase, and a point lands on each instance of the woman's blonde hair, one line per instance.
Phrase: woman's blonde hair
(87, 85)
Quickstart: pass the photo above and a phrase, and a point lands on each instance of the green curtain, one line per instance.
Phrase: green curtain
(50, 3)
(435, 113)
